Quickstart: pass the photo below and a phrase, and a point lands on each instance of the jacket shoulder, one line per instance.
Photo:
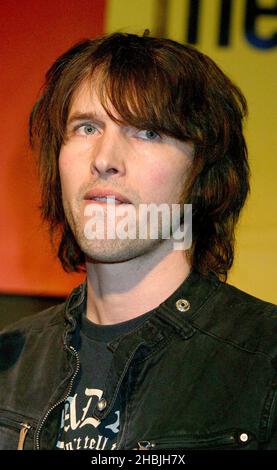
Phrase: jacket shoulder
(37, 321)
(240, 297)
(242, 319)
(29, 335)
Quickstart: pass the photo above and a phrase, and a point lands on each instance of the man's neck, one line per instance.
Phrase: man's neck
(118, 292)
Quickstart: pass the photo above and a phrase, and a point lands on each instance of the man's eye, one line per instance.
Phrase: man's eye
(148, 134)
(86, 129)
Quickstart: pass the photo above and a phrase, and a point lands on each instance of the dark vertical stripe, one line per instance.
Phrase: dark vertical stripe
(161, 18)
(225, 22)
(193, 21)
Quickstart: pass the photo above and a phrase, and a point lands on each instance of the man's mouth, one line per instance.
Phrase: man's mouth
(105, 197)
(106, 200)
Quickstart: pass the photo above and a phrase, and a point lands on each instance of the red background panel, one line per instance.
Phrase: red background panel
(33, 34)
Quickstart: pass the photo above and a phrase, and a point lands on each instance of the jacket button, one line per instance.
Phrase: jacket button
(182, 305)
(102, 404)
(243, 437)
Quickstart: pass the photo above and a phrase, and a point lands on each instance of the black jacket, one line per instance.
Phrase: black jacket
(200, 373)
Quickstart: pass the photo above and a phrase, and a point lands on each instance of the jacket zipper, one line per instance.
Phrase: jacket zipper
(227, 439)
(38, 431)
(22, 435)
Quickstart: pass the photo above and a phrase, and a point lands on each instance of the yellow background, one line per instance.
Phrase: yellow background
(254, 70)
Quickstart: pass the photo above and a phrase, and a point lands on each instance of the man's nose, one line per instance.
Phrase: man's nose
(108, 155)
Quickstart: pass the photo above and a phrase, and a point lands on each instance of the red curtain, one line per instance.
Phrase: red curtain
(33, 34)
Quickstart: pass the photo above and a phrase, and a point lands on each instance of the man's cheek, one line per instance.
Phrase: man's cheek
(158, 184)
(157, 176)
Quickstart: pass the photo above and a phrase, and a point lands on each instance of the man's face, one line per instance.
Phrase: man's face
(100, 158)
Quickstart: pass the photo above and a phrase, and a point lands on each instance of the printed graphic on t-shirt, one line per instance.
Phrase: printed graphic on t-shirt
(80, 430)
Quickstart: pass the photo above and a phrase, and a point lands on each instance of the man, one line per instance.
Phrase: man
(155, 350)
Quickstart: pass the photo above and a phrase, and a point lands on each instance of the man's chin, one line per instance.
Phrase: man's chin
(116, 251)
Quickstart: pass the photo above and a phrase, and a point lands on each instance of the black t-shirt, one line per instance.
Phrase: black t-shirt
(79, 429)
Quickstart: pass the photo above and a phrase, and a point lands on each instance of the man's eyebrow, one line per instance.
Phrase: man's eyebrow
(78, 116)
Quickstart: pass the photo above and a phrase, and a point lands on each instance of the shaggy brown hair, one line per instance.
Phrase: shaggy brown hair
(167, 87)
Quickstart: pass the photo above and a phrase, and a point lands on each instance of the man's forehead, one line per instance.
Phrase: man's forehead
(86, 101)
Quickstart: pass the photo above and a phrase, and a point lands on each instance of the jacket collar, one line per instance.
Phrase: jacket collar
(177, 311)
